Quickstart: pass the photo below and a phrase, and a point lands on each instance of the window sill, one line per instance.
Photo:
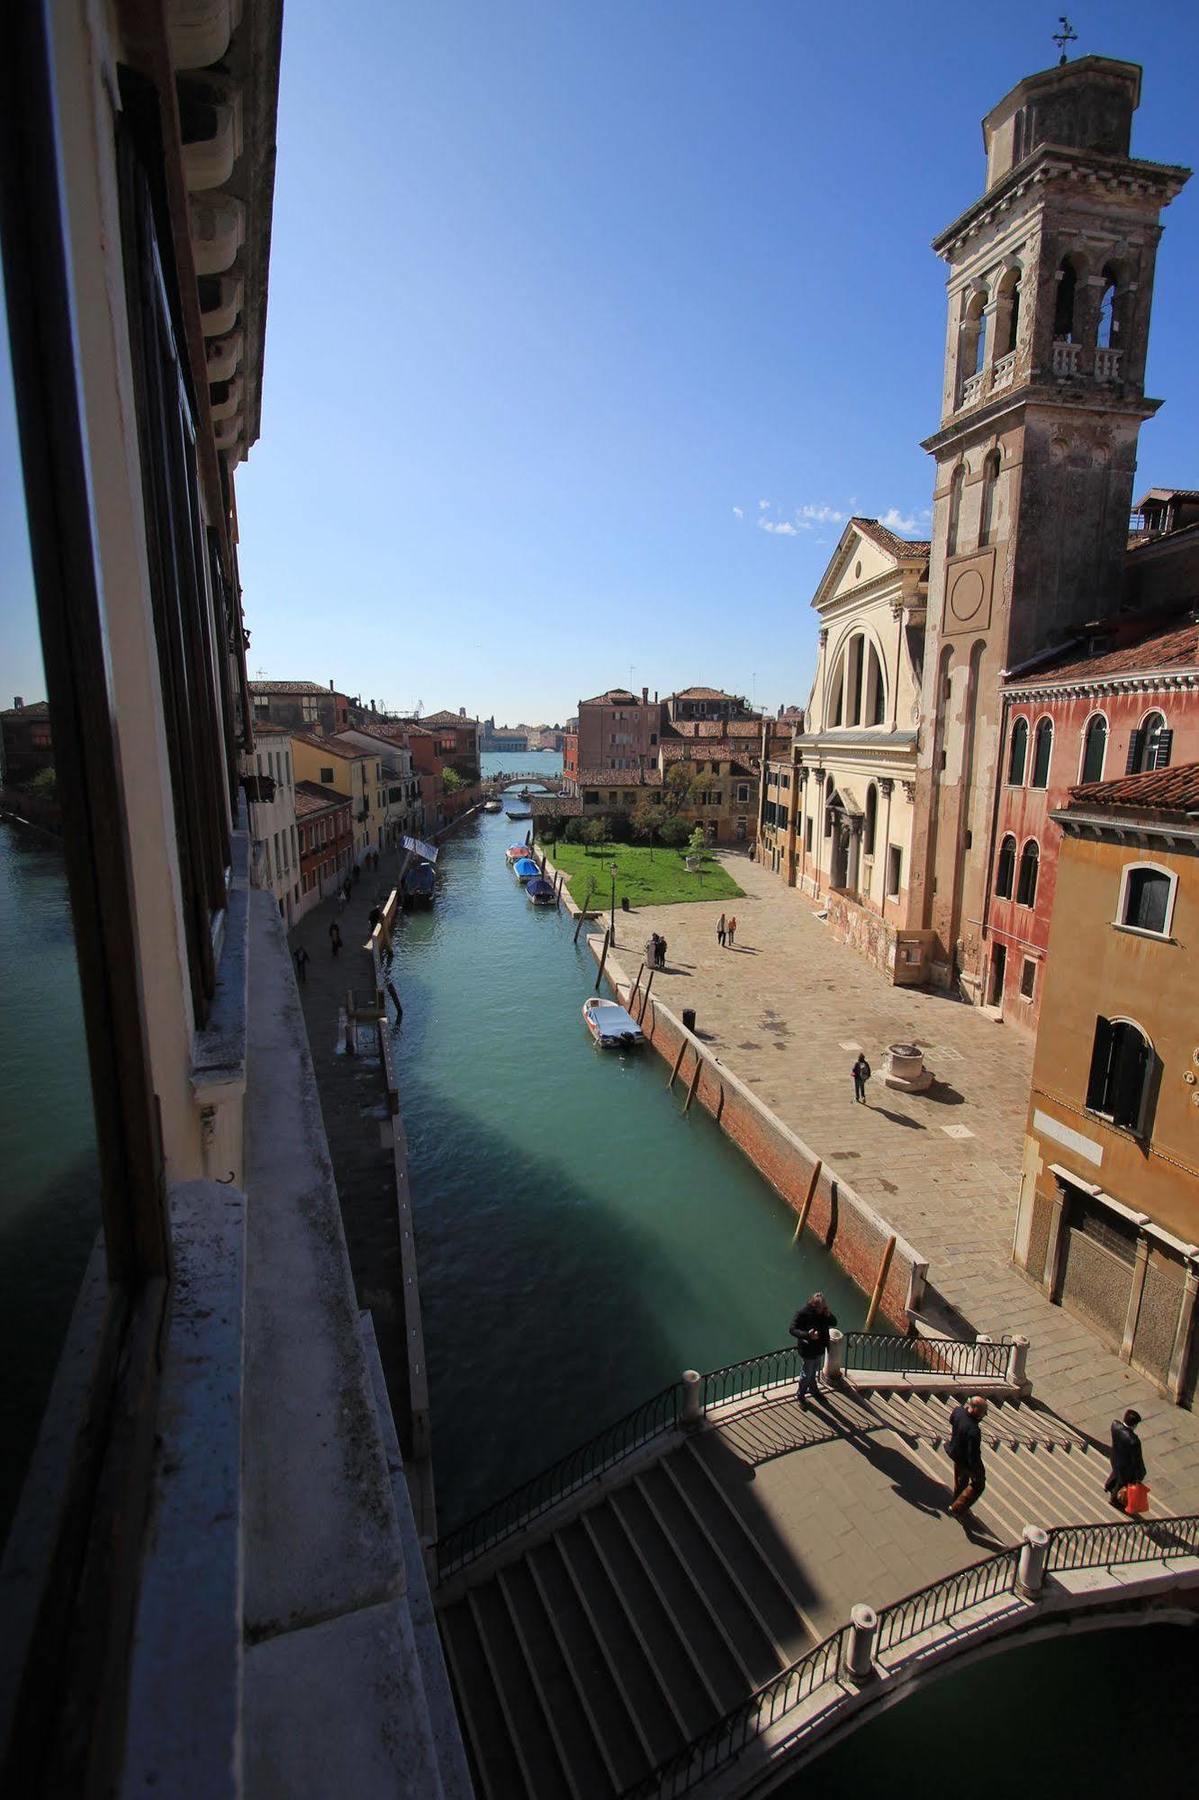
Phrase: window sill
(1138, 1134)
(1140, 931)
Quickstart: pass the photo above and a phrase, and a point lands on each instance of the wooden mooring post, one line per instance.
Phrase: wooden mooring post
(876, 1296)
(691, 1091)
(583, 912)
(678, 1061)
(603, 959)
(634, 988)
(808, 1198)
(645, 996)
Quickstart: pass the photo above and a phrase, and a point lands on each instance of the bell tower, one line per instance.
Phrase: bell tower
(1050, 284)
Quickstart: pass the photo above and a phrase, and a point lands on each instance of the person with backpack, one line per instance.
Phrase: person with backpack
(861, 1073)
(810, 1328)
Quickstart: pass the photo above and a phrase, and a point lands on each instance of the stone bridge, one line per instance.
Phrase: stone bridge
(694, 1600)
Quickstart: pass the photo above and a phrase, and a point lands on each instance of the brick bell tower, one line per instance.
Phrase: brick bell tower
(1050, 284)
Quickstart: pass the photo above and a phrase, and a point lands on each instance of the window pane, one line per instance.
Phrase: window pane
(1147, 899)
(1092, 763)
(49, 1195)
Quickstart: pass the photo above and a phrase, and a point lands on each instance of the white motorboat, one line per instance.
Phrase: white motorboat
(492, 806)
(611, 1026)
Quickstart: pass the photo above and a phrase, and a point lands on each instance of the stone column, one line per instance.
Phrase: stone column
(1139, 1269)
(859, 1650)
(693, 1383)
(835, 1355)
(1030, 1571)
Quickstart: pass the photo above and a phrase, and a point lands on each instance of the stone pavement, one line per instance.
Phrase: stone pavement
(786, 1010)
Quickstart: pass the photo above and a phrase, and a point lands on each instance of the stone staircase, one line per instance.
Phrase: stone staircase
(601, 1643)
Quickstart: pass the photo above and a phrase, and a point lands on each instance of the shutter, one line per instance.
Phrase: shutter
(1134, 752)
(1130, 1067)
(1101, 1057)
(1159, 749)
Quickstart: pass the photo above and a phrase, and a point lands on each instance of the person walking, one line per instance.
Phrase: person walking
(301, 956)
(651, 950)
(861, 1073)
(721, 930)
(966, 1454)
(334, 937)
(1128, 1459)
(810, 1328)
(731, 932)
(661, 952)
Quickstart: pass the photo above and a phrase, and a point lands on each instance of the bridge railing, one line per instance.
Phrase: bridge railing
(939, 1605)
(874, 1352)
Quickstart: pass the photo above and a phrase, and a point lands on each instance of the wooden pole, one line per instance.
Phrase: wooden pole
(583, 911)
(633, 989)
(677, 1064)
(699, 1063)
(806, 1208)
(645, 996)
(876, 1296)
(603, 959)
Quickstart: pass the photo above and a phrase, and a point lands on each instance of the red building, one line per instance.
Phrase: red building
(326, 835)
(1121, 703)
(570, 755)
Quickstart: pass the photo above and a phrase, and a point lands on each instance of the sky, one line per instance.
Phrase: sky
(591, 321)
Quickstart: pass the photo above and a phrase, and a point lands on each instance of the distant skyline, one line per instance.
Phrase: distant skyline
(589, 328)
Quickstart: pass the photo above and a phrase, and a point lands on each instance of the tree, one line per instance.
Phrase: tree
(451, 781)
(695, 843)
(674, 832)
(645, 821)
(45, 784)
(596, 832)
(678, 790)
(549, 828)
(576, 831)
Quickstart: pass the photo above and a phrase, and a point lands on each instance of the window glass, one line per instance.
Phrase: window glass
(1121, 1065)
(1028, 978)
(1094, 749)
(1146, 899)
(1005, 869)
(1018, 754)
(1026, 892)
(1042, 753)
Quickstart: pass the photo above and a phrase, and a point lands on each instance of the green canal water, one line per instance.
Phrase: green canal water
(48, 1205)
(580, 1242)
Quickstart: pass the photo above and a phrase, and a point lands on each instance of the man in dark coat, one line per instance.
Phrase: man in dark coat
(810, 1328)
(1128, 1461)
(966, 1454)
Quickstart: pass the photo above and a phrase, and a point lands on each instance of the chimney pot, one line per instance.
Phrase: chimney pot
(18, 703)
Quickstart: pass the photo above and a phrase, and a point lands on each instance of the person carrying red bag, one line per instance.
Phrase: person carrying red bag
(1128, 1464)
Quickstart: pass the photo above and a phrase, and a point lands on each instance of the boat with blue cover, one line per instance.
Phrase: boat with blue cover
(611, 1026)
(525, 869)
(419, 885)
(540, 891)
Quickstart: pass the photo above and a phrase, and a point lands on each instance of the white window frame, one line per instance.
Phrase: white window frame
(1166, 934)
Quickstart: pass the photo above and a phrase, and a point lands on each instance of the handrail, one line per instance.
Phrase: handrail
(1070, 1547)
(876, 1351)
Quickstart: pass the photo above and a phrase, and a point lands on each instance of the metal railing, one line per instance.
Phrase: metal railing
(772, 1369)
(874, 1352)
(1070, 1547)
(539, 1495)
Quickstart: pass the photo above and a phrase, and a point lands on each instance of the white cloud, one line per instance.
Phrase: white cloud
(762, 505)
(781, 527)
(894, 520)
(821, 515)
(738, 512)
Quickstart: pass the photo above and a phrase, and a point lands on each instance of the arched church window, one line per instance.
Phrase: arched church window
(871, 824)
(972, 338)
(956, 484)
(1018, 755)
(1065, 305)
(1042, 753)
(986, 519)
(1007, 317)
(1108, 337)
(876, 690)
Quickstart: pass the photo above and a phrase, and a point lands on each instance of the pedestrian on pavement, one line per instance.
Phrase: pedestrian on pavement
(302, 963)
(861, 1073)
(651, 950)
(966, 1454)
(661, 952)
(334, 937)
(810, 1328)
(356, 871)
(1128, 1459)
(721, 930)
(375, 917)
(731, 931)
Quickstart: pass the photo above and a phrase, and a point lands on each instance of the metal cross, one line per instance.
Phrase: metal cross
(1067, 35)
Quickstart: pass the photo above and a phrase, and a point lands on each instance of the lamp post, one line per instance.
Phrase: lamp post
(612, 917)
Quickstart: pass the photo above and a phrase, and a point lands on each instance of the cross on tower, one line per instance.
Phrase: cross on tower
(1067, 35)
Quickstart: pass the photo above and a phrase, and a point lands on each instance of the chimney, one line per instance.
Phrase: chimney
(462, 712)
(645, 696)
(18, 704)
(330, 687)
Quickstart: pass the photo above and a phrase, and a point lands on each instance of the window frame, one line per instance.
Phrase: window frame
(1028, 973)
(1138, 1120)
(1096, 718)
(1021, 724)
(1165, 935)
(1035, 864)
(1042, 731)
(1007, 867)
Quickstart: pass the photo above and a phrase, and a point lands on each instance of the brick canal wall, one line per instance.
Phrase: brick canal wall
(845, 1224)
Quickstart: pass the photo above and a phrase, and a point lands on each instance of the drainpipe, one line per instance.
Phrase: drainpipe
(996, 791)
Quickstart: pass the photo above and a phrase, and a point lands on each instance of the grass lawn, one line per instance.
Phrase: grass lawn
(662, 879)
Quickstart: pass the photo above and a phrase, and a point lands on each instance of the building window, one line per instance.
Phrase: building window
(1042, 753)
(1018, 753)
(1005, 869)
(1094, 749)
(1121, 1065)
(986, 519)
(894, 870)
(326, 777)
(1146, 899)
(1028, 978)
(1149, 746)
(871, 823)
(1063, 313)
(743, 791)
(1026, 887)
(956, 484)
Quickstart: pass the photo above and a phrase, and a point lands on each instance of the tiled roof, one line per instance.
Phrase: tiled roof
(907, 549)
(446, 718)
(267, 728)
(38, 709)
(619, 778)
(1155, 648)
(1164, 494)
(1157, 791)
(614, 697)
(311, 797)
(347, 752)
(713, 749)
(288, 687)
(703, 693)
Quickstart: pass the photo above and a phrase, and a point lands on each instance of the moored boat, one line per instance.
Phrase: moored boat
(525, 869)
(611, 1026)
(419, 885)
(520, 815)
(514, 852)
(540, 891)
(492, 806)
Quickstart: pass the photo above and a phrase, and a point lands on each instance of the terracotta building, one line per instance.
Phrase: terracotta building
(617, 731)
(1123, 701)
(325, 827)
(711, 704)
(1050, 289)
(1108, 1219)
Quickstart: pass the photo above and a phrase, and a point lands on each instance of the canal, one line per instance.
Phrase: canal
(580, 1242)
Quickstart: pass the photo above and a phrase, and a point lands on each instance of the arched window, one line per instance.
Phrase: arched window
(1064, 306)
(1018, 754)
(986, 518)
(1007, 313)
(1094, 749)
(1108, 334)
(1042, 753)
(973, 337)
(1149, 746)
(1005, 868)
(1146, 900)
(1026, 887)
(957, 481)
(875, 710)
(1122, 1063)
(871, 824)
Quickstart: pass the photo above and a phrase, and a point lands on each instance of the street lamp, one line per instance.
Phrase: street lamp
(612, 919)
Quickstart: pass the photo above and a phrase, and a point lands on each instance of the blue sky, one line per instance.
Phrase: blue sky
(563, 290)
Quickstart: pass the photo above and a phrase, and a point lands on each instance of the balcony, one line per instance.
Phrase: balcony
(972, 388)
(1067, 359)
(1004, 372)
(1107, 364)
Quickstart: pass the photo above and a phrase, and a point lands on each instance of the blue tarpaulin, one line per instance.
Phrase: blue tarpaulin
(526, 867)
(420, 848)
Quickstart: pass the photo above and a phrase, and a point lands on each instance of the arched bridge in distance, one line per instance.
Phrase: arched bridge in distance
(710, 1591)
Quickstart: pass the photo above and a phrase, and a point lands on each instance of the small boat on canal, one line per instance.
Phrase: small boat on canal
(492, 806)
(540, 891)
(419, 884)
(611, 1026)
(514, 852)
(520, 815)
(525, 869)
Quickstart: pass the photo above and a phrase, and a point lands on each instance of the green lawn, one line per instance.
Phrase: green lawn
(660, 879)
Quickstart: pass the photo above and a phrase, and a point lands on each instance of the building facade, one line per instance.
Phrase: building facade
(357, 774)
(618, 731)
(1124, 702)
(268, 779)
(706, 703)
(325, 828)
(1050, 287)
(26, 743)
(303, 706)
(1108, 1216)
